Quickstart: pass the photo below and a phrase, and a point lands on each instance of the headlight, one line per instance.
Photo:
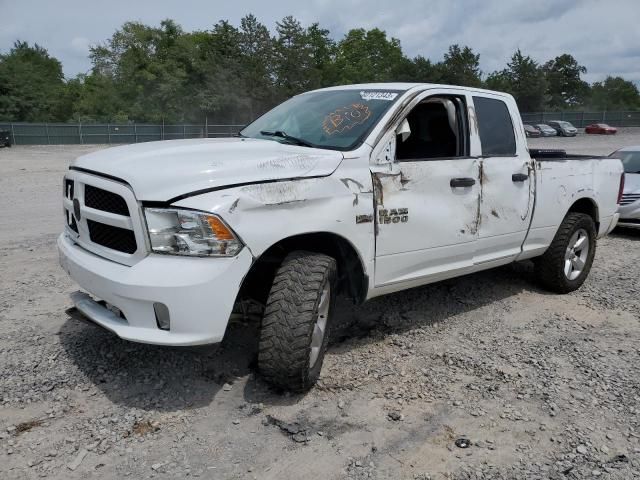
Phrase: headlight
(188, 232)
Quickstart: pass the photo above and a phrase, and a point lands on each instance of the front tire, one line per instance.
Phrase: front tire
(296, 322)
(566, 264)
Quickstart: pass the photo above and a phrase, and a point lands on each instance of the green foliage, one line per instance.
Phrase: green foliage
(32, 87)
(368, 56)
(615, 93)
(524, 79)
(565, 88)
(232, 74)
(461, 67)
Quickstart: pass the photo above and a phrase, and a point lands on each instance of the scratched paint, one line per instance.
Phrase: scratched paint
(234, 205)
(292, 162)
(280, 192)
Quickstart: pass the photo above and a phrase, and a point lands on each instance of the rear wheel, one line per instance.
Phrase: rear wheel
(566, 264)
(297, 319)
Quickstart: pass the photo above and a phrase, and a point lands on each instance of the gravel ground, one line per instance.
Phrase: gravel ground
(536, 386)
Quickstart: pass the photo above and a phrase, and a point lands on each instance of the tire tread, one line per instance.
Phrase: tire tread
(549, 266)
(289, 318)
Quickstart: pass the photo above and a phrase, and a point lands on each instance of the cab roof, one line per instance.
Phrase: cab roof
(404, 86)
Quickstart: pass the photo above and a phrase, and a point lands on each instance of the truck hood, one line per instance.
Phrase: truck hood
(161, 171)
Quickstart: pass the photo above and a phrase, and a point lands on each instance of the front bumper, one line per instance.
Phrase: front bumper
(199, 293)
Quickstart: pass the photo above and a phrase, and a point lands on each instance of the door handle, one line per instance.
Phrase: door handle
(519, 177)
(462, 182)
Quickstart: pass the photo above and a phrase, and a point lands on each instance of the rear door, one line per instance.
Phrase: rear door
(506, 178)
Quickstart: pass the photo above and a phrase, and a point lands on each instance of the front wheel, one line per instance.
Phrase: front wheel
(566, 264)
(296, 322)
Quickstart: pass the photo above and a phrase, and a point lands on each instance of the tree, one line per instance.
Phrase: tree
(292, 57)
(231, 74)
(524, 79)
(322, 51)
(368, 56)
(149, 68)
(256, 63)
(218, 83)
(615, 93)
(565, 88)
(461, 67)
(32, 87)
(422, 70)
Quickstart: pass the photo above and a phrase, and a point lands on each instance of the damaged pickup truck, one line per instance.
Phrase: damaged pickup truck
(358, 190)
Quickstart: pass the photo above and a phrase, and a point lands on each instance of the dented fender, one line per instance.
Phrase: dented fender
(263, 214)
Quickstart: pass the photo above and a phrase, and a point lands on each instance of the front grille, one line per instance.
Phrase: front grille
(115, 238)
(103, 203)
(106, 201)
(629, 198)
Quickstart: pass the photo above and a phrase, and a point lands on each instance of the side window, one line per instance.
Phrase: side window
(438, 129)
(495, 126)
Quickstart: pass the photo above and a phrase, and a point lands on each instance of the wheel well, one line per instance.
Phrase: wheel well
(588, 207)
(352, 280)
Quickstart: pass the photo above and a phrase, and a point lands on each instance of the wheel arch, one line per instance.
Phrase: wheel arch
(352, 279)
(588, 206)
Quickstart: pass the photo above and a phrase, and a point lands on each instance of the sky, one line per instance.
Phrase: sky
(604, 36)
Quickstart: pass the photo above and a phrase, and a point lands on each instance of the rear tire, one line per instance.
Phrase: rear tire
(297, 319)
(566, 264)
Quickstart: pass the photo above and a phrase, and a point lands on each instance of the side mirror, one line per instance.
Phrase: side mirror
(403, 130)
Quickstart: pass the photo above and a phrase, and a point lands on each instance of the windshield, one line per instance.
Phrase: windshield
(332, 119)
(630, 160)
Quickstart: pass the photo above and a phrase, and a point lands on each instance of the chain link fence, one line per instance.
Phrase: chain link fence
(582, 119)
(79, 134)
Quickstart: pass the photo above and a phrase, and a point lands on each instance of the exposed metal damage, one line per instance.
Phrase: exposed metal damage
(354, 187)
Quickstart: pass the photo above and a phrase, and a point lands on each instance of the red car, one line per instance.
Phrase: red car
(600, 128)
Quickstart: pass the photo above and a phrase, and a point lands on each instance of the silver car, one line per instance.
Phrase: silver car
(546, 130)
(564, 129)
(630, 204)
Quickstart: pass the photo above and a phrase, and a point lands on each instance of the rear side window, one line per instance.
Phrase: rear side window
(495, 127)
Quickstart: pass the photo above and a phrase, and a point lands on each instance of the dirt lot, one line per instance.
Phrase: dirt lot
(543, 386)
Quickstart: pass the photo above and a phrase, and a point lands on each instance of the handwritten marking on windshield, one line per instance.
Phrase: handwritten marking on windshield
(345, 118)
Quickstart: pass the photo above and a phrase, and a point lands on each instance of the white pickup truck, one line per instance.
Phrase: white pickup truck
(360, 190)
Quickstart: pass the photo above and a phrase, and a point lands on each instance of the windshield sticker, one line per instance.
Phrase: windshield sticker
(345, 118)
(387, 96)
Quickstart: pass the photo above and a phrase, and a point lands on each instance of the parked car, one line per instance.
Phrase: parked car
(5, 138)
(531, 131)
(323, 195)
(546, 130)
(630, 202)
(564, 129)
(601, 129)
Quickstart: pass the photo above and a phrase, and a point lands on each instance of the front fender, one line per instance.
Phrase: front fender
(262, 214)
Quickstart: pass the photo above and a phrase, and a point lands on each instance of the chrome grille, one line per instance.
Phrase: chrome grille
(103, 216)
(629, 198)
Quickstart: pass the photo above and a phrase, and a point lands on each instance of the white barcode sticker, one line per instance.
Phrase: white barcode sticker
(371, 95)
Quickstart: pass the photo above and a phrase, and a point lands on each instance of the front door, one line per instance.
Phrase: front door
(427, 200)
